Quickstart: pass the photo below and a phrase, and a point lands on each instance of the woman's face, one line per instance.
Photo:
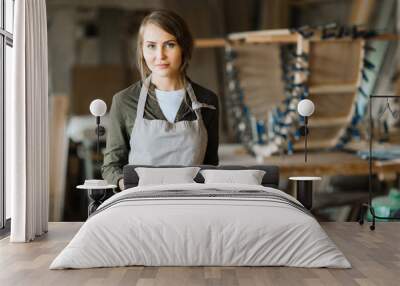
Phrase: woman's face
(161, 52)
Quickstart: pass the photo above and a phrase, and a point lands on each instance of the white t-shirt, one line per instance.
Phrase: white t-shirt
(169, 102)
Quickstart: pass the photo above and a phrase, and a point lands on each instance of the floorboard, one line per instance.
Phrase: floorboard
(374, 255)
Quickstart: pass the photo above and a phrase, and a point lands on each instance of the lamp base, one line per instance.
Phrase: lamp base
(303, 130)
(100, 130)
(96, 197)
(305, 193)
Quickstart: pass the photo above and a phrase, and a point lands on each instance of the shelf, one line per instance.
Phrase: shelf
(328, 121)
(333, 88)
(210, 43)
(315, 144)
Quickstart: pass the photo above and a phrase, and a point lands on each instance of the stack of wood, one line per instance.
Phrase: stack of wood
(334, 77)
(260, 76)
(332, 81)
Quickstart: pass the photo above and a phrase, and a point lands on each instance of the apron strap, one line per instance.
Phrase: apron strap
(198, 105)
(142, 98)
(193, 98)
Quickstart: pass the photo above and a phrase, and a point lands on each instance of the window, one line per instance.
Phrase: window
(6, 65)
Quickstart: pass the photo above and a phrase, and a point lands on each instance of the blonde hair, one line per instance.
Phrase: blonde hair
(174, 25)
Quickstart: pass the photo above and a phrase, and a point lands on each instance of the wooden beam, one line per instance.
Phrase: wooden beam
(310, 2)
(285, 36)
(262, 33)
(386, 37)
(283, 39)
(292, 38)
(210, 43)
(328, 164)
(328, 121)
(361, 11)
(333, 88)
(282, 36)
(58, 155)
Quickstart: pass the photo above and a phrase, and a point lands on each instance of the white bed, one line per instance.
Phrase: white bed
(220, 225)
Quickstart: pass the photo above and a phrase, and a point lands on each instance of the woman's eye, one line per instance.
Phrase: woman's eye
(151, 46)
(170, 45)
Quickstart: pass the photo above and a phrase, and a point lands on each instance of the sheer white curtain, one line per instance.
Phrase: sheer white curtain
(27, 156)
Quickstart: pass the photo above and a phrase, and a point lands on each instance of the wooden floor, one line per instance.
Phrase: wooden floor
(375, 257)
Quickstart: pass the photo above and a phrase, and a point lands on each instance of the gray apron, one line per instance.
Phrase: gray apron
(159, 142)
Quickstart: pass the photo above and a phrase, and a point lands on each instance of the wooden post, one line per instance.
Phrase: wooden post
(59, 105)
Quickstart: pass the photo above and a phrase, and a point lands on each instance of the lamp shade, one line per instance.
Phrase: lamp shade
(305, 107)
(98, 107)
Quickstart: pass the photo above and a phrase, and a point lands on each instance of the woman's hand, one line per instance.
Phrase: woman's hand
(121, 184)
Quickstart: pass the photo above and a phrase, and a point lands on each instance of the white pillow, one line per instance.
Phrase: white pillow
(248, 177)
(164, 176)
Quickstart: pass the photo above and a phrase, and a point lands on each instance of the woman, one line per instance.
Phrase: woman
(164, 119)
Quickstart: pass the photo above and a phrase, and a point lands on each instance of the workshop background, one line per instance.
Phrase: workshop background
(260, 58)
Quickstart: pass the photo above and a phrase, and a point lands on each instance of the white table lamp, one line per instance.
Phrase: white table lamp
(305, 108)
(98, 108)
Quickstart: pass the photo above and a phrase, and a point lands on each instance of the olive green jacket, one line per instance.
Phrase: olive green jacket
(122, 119)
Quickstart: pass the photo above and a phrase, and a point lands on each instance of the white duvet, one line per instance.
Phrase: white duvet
(182, 231)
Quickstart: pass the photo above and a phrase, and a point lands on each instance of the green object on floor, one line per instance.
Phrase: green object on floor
(386, 206)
